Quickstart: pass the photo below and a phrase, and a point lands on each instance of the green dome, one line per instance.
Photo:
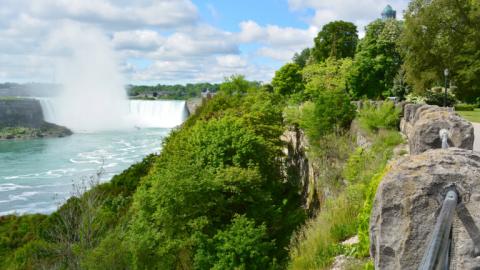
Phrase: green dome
(389, 13)
(388, 9)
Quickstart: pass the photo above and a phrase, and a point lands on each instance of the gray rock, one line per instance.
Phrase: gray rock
(427, 123)
(407, 203)
(19, 112)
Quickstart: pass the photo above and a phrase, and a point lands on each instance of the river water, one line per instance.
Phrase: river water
(37, 175)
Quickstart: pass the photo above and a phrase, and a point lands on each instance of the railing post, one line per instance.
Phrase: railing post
(436, 255)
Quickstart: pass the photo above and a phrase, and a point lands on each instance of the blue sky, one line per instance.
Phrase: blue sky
(170, 41)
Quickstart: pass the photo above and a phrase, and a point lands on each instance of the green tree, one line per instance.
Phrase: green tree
(330, 75)
(377, 60)
(337, 39)
(288, 80)
(242, 245)
(302, 58)
(237, 84)
(443, 34)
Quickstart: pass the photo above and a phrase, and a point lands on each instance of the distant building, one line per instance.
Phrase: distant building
(389, 13)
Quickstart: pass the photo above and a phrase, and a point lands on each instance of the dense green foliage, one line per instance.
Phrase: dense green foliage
(383, 116)
(346, 211)
(236, 84)
(377, 60)
(443, 34)
(221, 166)
(302, 58)
(288, 80)
(177, 91)
(337, 39)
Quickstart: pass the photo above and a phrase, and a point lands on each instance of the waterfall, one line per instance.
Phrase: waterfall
(158, 113)
(141, 113)
(48, 109)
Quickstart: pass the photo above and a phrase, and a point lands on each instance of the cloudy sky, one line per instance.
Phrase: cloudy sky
(172, 41)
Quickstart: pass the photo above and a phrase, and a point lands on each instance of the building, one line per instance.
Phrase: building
(389, 13)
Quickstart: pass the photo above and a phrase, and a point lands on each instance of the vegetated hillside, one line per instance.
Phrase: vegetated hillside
(218, 195)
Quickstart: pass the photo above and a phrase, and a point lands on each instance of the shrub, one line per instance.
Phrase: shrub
(465, 107)
(436, 96)
(329, 112)
(386, 116)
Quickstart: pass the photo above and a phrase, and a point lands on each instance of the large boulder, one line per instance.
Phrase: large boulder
(422, 125)
(428, 122)
(408, 201)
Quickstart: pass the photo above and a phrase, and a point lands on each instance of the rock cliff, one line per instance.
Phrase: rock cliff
(23, 119)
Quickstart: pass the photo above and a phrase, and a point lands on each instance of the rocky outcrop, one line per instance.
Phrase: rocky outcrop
(16, 112)
(407, 204)
(297, 166)
(22, 118)
(422, 125)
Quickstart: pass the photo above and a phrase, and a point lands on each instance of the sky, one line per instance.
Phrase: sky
(172, 41)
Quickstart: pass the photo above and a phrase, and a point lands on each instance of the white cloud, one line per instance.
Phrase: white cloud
(359, 12)
(137, 40)
(165, 40)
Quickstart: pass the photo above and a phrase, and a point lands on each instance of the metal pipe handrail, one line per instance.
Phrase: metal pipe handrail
(436, 256)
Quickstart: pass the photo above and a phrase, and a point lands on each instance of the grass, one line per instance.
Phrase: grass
(346, 213)
(351, 189)
(472, 116)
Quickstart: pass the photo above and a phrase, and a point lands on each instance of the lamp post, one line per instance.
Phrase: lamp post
(445, 72)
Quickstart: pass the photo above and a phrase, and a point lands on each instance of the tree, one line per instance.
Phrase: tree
(377, 60)
(330, 75)
(302, 58)
(337, 39)
(288, 80)
(237, 84)
(443, 34)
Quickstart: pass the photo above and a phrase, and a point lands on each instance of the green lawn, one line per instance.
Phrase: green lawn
(472, 116)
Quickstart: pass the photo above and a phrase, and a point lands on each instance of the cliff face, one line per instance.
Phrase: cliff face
(23, 119)
(20, 113)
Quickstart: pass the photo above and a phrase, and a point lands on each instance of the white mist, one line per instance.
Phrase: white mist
(93, 96)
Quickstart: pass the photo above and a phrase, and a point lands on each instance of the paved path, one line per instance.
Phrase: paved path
(476, 144)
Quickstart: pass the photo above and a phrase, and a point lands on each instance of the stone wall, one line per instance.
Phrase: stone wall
(422, 124)
(409, 198)
(20, 113)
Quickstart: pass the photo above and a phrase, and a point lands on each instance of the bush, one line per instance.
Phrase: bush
(436, 96)
(465, 107)
(386, 116)
(329, 112)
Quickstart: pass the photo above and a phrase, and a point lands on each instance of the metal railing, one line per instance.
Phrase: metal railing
(437, 255)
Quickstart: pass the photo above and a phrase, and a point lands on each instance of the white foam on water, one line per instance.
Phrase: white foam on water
(12, 186)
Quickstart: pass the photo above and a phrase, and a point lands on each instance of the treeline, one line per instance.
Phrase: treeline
(177, 91)
(405, 59)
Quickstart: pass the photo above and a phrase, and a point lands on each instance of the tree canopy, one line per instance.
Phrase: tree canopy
(288, 80)
(337, 39)
(443, 34)
(377, 60)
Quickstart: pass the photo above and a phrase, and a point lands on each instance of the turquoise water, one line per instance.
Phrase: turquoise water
(36, 176)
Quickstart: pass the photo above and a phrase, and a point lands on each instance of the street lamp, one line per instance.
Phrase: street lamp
(445, 72)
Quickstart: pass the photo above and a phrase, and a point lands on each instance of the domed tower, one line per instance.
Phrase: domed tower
(389, 13)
